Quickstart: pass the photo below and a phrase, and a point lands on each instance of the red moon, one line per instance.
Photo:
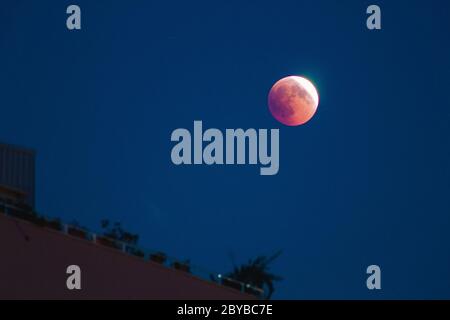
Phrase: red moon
(293, 100)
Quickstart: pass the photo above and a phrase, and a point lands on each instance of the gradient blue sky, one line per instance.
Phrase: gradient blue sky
(365, 182)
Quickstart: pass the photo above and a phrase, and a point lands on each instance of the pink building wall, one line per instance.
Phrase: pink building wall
(36, 269)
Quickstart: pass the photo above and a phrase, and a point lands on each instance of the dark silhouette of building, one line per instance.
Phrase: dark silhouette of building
(17, 172)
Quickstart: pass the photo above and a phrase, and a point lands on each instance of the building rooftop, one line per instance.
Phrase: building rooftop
(37, 250)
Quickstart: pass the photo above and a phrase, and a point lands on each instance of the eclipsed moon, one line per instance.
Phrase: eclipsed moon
(293, 100)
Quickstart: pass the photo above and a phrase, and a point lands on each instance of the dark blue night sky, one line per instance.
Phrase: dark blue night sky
(366, 181)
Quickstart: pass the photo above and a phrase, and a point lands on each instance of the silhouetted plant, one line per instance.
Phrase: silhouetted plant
(182, 265)
(116, 232)
(256, 273)
(159, 257)
(54, 224)
(136, 252)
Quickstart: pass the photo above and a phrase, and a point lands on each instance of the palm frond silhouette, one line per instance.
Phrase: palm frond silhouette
(256, 273)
